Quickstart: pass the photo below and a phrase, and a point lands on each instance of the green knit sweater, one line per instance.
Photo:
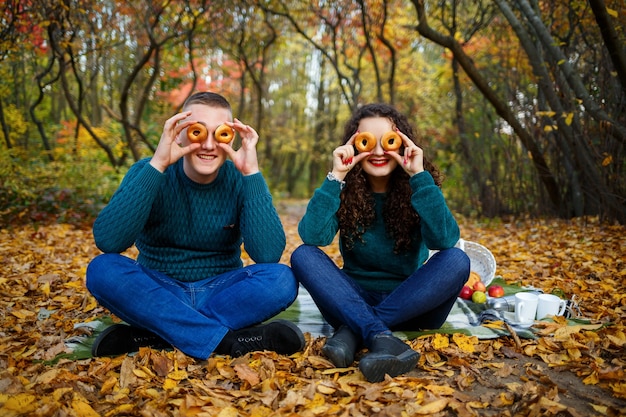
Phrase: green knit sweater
(187, 230)
(372, 262)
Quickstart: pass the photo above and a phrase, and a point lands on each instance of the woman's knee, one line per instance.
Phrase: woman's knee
(301, 253)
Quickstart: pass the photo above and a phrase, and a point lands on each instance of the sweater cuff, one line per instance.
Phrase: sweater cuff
(421, 179)
(331, 187)
(150, 178)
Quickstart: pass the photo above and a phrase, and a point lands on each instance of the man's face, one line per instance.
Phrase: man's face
(203, 165)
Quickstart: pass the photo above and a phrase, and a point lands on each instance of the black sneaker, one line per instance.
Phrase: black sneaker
(119, 339)
(280, 336)
(388, 355)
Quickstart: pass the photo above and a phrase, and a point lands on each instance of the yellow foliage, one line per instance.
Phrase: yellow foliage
(465, 343)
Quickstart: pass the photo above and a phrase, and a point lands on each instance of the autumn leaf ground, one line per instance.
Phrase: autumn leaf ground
(575, 370)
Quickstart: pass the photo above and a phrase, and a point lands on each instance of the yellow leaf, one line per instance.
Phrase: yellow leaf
(123, 409)
(22, 314)
(141, 374)
(440, 389)
(432, 407)
(178, 375)
(228, 412)
(465, 343)
(440, 341)
(611, 12)
(565, 331)
(83, 409)
(568, 118)
(60, 392)
(45, 288)
(591, 379)
(169, 384)
(325, 389)
(92, 304)
(21, 402)
(494, 324)
(619, 389)
(506, 398)
(608, 159)
(108, 385)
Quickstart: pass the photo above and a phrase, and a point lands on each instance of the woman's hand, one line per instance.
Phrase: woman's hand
(412, 159)
(245, 158)
(168, 151)
(344, 158)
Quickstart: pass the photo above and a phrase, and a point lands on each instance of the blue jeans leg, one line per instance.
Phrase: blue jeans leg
(192, 316)
(422, 301)
(425, 298)
(337, 296)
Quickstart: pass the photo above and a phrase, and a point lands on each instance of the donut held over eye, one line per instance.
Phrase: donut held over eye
(365, 142)
(224, 133)
(391, 141)
(197, 132)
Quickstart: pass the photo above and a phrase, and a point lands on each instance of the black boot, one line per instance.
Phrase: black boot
(281, 336)
(119, 339)
(387, 355)
(341, 347)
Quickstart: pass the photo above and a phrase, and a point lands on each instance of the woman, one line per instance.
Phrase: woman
(389, 211)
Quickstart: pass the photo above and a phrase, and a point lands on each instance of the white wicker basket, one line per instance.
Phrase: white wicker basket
(482, 260)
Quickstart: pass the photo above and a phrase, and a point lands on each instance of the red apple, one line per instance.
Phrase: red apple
(466, 292)
(496, 291)
(479, 286)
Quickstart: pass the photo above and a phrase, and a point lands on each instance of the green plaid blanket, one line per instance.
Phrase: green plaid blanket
(465, 317)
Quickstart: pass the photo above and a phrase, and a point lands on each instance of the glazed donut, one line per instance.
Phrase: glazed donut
(224, 133)
(197, 132)
(365, 142)
(391, 141)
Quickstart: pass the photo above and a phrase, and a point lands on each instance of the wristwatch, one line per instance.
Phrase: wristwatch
(332, 177)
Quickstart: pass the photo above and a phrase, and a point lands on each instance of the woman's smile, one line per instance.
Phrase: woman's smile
(377, 161)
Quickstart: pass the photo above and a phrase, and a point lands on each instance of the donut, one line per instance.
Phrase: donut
(365, 142)
(197, 132)
(224, 133)
(391, 141)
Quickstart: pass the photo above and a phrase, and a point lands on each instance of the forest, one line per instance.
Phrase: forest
(521, 103)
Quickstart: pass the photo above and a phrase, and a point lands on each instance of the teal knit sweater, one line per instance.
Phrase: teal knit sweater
(372, 262)
(187, 230)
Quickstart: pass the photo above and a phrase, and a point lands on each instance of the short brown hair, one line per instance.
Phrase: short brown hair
(209, 99)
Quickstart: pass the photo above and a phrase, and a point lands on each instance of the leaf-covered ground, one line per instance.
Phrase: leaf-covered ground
(566, 371)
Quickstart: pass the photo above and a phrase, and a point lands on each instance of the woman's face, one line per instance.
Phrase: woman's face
(378, 164)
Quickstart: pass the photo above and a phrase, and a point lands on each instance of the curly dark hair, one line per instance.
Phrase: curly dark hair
(357, 210)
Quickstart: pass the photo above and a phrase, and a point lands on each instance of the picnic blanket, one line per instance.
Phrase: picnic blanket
(465, 317)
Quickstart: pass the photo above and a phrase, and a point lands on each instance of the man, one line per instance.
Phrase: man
(188, 209)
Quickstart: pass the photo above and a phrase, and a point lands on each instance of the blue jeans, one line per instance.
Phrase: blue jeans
(422, 301)
(192, 316)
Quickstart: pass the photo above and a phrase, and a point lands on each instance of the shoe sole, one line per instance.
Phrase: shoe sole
(123, 339)
(375, 366)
